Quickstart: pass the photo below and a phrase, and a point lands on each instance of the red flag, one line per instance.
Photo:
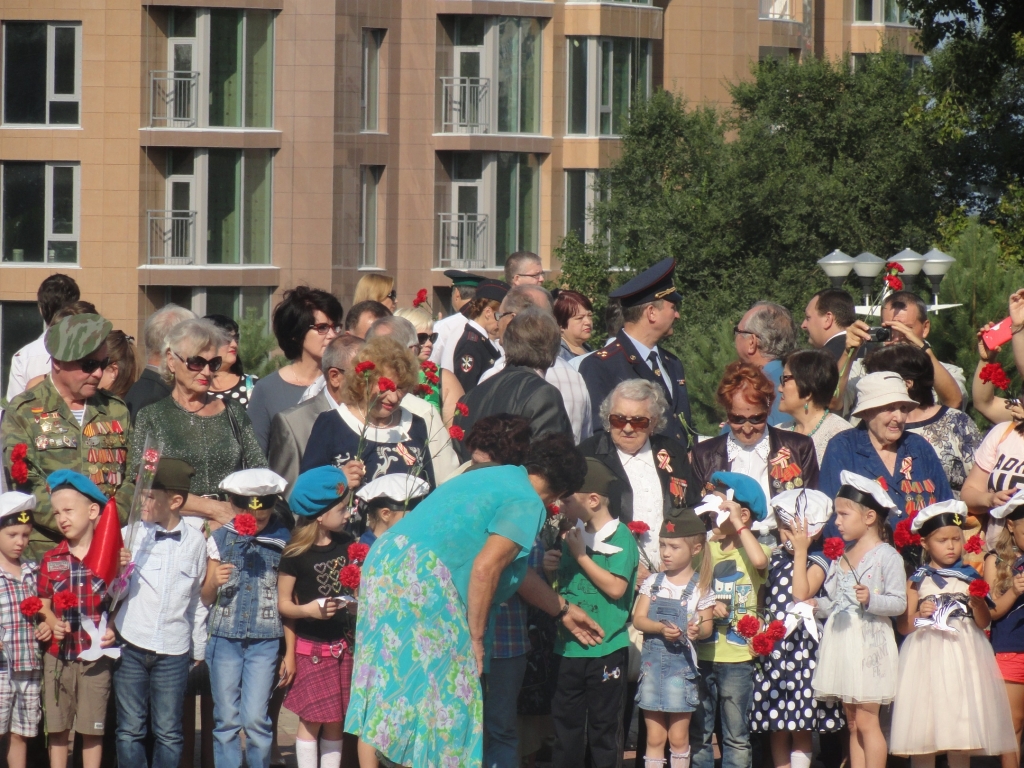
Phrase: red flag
(105, 551)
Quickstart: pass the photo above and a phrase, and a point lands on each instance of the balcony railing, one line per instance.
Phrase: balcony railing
(173, 99)
(172, 237)
(467, 105)
(463, 241)
(777, 9)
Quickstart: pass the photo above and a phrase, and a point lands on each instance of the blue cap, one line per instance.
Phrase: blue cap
(66, 478)
(317, 490)
(653, 284)
(746, 491)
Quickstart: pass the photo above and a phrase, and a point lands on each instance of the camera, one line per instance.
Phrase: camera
(880, 334)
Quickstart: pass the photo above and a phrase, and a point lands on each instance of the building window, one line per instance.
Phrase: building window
(241, 68)
(370, 181)
(895, 13)
(519, 60)
(42, 73)
(605, 75)
(517, 210)
(236, 303)
(863, 10)
(20, 324)
(238, 203)
(576, 204)
(40, 212)
(370, 97)
(577, 119)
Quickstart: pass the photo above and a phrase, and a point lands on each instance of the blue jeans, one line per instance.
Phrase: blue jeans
(242, 677)
(727, 689)
(501, 696)
(149, 687)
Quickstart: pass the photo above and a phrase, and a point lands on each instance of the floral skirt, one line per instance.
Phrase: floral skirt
(416, 695)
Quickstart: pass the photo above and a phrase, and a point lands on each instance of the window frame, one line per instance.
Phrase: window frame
(202, 64)
(595, 59)
(48, 233)
(369, 231)
(373, 41)
(51, 52)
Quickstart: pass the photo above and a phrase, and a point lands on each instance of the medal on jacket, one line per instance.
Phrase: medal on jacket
(785, 473)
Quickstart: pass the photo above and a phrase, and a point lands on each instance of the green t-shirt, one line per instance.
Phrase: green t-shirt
(736, 582)
(612, 615)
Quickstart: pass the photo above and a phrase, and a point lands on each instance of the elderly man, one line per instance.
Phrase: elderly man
(67, 422)
(765, 335)
(361, 316)
(151, 387)
(33, 360)
(524, 268)
(827, 316)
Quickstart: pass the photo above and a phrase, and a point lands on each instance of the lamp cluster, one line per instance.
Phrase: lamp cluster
(934, 264)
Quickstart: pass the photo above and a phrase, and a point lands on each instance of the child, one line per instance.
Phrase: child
(740, 565)
(245, 627)
(388, 498)
(784, 704)
(20, 663)
(75, 692)
(597, 572)
(857, 660)
(949, 695)
(156, 624)
(677, 601)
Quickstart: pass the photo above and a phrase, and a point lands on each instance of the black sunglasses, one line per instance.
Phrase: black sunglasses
(197, 363)
(393, 295)
(90, 365)
(760, 418)
(425, 337)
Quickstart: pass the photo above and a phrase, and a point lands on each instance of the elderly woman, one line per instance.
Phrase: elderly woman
(575, 316)
(428, 589)
(809, 380)
(904, 463)
(779, 460)
(654, 470)
(212, 435)
(370, 427)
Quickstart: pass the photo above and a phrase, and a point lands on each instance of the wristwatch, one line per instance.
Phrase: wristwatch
(563, 612)
(925, 346)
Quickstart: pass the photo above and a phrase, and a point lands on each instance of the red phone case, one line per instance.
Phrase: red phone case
(998, 334)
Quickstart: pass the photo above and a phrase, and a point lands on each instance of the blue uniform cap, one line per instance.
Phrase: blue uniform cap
(746, 491)
(66, 478)
(653, 284)
(317, 490)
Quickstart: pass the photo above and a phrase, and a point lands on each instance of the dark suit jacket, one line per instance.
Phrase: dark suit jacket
(619, 361)
(520, 392)
(289, 433)
(678, 486)
(836, 346)
(713, 456)
(147, 390)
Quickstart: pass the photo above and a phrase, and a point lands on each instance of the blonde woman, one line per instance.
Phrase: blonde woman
(374, 286)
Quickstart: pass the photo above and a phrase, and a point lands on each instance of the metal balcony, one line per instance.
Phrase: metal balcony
(781, 10)
(172, 237)
(173, 99)
(463, 241)
(466, 106)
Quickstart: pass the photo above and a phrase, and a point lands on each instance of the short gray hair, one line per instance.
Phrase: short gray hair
(639, 391)
(398, 328)
(418, 316)
(774, 327)
(189, 338)
(514, 264)
(532, 339)
(524, 296)
(340, 351)
(159, 324)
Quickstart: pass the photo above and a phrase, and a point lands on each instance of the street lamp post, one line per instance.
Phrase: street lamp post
(868, 267)
(837, 266)
(936, 265)
(912, 263)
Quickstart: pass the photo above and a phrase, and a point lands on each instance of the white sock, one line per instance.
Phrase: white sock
(680, 760)
(305, 753)
(653, 762)
(330, 754)
(958, 759)
(922, 761)
(798, 759)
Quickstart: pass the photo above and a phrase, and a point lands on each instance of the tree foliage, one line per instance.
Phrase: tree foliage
(255, 345)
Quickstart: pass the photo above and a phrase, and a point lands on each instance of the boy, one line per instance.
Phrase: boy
(596, 571)
(157, 622)
(726, 664)
(74, 692)
(388, 498)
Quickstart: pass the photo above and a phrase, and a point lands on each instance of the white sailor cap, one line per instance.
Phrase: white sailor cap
(254, 488)
(16, 508)
(396, 487)
(939, 515)
(1012, 509)
(864, 491)
(813, 506)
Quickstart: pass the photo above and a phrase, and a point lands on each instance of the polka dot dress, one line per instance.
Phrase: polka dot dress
(241, 392)
(783, 696)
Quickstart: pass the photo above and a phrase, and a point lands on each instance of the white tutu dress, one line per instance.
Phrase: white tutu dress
(950, 695)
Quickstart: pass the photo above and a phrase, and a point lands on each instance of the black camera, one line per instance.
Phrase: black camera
(880, 334)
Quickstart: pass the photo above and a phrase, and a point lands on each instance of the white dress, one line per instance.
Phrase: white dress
(950, 695)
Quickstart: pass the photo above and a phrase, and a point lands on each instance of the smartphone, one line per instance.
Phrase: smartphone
(998, 334)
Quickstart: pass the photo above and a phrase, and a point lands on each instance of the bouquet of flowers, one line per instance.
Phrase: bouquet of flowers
(762, 635)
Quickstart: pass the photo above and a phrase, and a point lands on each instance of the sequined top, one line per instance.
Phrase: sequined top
(205, 442)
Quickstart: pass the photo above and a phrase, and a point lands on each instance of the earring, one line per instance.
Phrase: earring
(807, 407)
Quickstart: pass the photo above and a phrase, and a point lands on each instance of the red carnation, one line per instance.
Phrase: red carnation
(424, 390)
(763, 644)
(151, 456)
(421, 296)
(365, 367)
(776, 630)
(554, 509)
(456, 433)
(993, 372)
(973, 545)
(433, 378)
(903, 537)
(30, 606)
(19, 472)
(245, 524)
(834, 548)
(350, 576)
(64, 600)
(638, 527)
(357, 552)
(427, 365)
(894, 282)
(462, 408)
(893, 266)
(748, 626)
(979, 588)
(19, 452)
(384, 384)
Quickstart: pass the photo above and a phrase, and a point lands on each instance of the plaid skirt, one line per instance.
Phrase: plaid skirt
(323, 681)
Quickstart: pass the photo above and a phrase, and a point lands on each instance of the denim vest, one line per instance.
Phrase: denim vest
(246, 606)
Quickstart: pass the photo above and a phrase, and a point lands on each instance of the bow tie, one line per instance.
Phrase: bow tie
(176, 535)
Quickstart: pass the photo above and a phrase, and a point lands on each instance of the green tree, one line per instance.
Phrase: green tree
(255, 345)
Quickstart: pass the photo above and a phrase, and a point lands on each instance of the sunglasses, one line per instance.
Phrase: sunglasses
(90, 365)
(393, 295)
(324, 328)
(759, 418)
(736, 331)
(425, 337)
(786, 377)
(197, 363)
(637, 422)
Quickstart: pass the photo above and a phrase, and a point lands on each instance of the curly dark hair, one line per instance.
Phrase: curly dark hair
(913, 364)
(503, 437)
(557, 459)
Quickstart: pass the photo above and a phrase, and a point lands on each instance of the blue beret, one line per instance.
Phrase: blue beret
(317, 490)
(66, 478)
(746, 491)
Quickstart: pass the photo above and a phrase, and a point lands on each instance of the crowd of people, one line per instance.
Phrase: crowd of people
(484, 539)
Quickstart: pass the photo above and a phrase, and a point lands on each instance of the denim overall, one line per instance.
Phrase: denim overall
(668, 673)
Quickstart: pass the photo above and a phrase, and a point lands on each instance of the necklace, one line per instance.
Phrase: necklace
(820, 422)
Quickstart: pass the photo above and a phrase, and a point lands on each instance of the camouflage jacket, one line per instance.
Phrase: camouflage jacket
(41, 420)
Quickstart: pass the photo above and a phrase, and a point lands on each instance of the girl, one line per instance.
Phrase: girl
(677, 601)
(784, 704)
(948, 693)
(857, 660)
(387, 500)
(320, 631)
(1004, 572)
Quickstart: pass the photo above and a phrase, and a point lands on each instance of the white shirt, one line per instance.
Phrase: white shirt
(161, 613)
(449, 331)
(752, 461)
(670, 591)
(648, 500)
(28, 362)
(645, 353)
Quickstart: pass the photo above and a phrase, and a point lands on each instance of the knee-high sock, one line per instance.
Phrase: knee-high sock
(330, 754)
(680, 760)
(798, 759)
(653, 762)
(305, 753)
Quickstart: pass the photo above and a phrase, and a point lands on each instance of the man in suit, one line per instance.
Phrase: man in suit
(829, 313)
(650, 307)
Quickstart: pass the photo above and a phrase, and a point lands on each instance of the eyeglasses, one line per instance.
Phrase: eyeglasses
(759, 418)
(736, 331)
(637, 422)
(499, 315)
(197, 363)
(534, 276)
(324, 328)
(90, 365)
(425, 337)
(393, 295)
(787, 377)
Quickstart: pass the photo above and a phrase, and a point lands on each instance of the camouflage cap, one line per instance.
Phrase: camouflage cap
(77, 336)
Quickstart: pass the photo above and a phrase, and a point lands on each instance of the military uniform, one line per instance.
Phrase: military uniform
(474, 354)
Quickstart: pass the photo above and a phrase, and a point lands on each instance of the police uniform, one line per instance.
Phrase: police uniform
(475, 353)
(620, 360)
(449, 330)
(41, 420)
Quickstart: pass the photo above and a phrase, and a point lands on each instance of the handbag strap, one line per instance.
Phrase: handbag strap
(236, 431)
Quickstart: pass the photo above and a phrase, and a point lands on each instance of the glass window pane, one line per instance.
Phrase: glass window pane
(62, 252)
(183, 22)
(225, 68)
(606, 87)
(529, 196)
(508, 75)
(620, 83)
(259, 69)
(223, 204)
(577, 85)
(254, 300)
(64, 61)
(641, 84)
(469, 30)
(576, 204)
(25, 74)
(368, 256)
(507, 199)
(63, 197)
(222, 301)
(862, 11)
(24, 211)
(371, 66)
(529, 90)
(257, 206)
(181, 162)
(20, 323)
(467, 166)
(64, 113)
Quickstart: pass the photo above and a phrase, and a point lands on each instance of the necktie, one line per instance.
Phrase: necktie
(176, 535)
(655, 366)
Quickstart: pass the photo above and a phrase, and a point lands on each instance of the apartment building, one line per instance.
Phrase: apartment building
(215, 152)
